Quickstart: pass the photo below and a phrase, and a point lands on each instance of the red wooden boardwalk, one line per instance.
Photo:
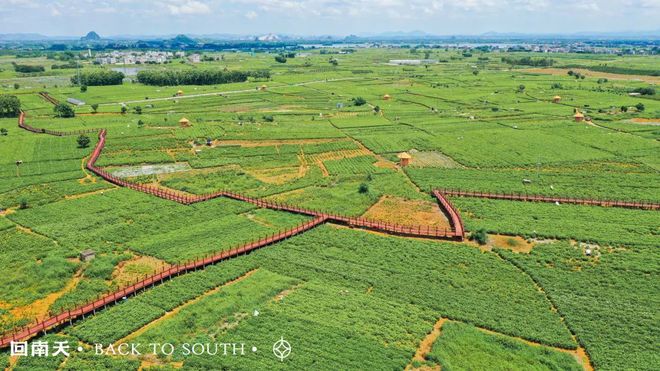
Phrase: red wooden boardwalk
(111, 298)
(457, 233)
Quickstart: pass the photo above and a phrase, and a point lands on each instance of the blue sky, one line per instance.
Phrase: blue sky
(315, 17)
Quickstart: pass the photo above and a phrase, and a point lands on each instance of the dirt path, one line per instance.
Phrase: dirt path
(176, 310)
(427, 343)
(39, 308)
(90, 193)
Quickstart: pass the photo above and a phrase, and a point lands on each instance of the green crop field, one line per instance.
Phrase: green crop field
(533, 286)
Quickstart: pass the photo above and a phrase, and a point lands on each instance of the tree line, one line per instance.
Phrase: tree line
(529, 61)
(197, 77)
(26, 68)
(98, 78)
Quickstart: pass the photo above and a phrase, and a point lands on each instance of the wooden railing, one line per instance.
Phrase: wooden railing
(648, 205)
(157, 278)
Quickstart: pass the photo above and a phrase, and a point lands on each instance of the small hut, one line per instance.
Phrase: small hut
(386, 97)
(404, 158)
(556, 99)
(179, 93)
(578, 116)
(184, 122)
(87, 255)
(263, 87)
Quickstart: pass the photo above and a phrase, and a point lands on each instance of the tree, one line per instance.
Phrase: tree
(123, 109)
(377, 109)
(475, 72)
(359, 101)
(364, 188)
(138, 110)
(140, 123)
(16, 86)
(521, 88)
(480, 236)
(10, 105)
(83, 141)
(268, 118)
(334, 62)
(83, 88)
(640, 107)
(23, 204)
(624, 108)
(280, 58)
(4, 132)
(63, 110)
(95, 107)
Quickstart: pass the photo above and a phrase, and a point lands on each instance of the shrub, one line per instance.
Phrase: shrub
(364, 188)
(23, 204)
(480, 236)
(83, 141)
(359, 101)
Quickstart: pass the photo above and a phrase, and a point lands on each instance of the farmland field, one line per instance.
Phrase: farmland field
(542, 286)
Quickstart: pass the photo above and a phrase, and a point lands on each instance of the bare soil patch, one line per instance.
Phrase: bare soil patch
(407, 212)
(643, 121)
(613, 76)
(39, 309)
(130, 270)
(513, 243)
(276, 176)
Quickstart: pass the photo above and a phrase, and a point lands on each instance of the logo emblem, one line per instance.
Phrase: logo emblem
(281, 349)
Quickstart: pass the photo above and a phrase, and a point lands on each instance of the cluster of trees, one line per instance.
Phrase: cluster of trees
(68, 65)
(196, 77)
(63, 110)
(10, 105)
(98, 78)
(26, 68)
(645, 91)
(529, 61)
(577, 75)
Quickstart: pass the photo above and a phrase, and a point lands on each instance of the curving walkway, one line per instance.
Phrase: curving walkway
(456, 233)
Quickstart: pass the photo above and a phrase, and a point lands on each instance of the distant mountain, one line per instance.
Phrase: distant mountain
(91, 36)
(183, 40)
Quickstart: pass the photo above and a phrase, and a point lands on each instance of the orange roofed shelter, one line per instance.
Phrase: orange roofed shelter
(404, 158)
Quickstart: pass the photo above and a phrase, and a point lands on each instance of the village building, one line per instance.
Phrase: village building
(578, 116)
(87, 255)
(404, 158)
(184, 122)
(556, 99)
(386, 97)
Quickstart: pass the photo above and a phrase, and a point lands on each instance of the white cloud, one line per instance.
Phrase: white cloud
(188, 7)
(251, 14)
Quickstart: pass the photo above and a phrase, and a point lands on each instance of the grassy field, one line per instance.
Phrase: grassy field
(345, 299)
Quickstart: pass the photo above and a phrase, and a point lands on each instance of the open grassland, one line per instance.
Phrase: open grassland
(346, 299)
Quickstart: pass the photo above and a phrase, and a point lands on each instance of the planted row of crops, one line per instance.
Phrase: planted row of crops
(461, 346)
(623, 182)
(610, 302)
(122, 319)
(583, 223)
